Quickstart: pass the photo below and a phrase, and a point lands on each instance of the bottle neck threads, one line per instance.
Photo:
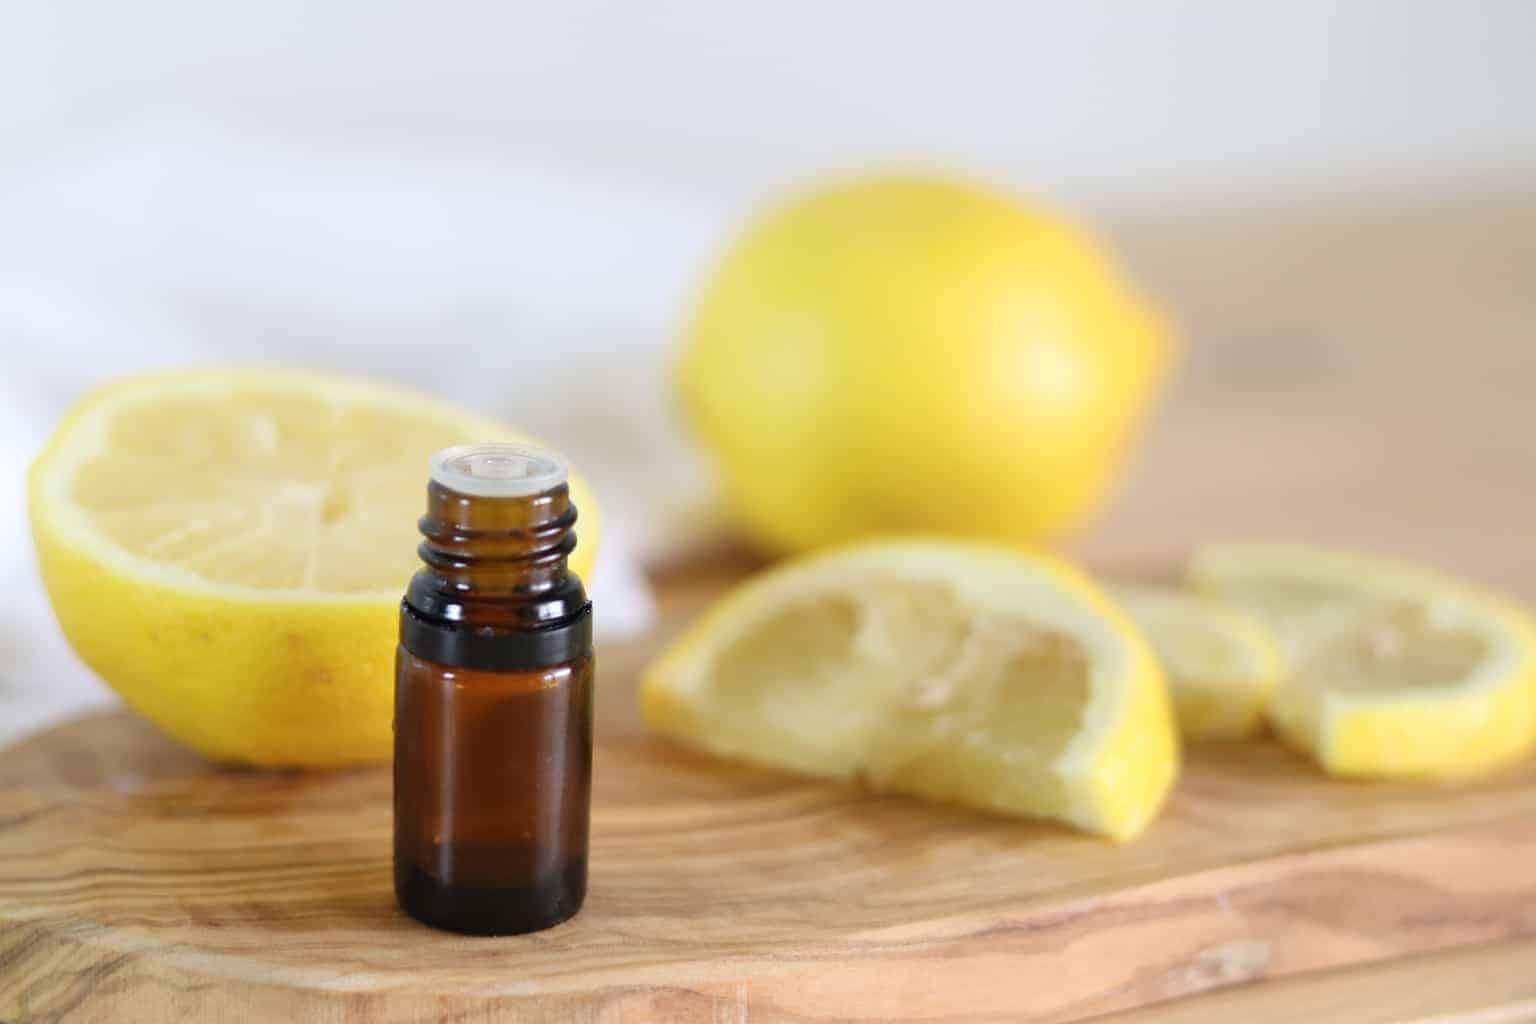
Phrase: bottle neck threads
(495, 590)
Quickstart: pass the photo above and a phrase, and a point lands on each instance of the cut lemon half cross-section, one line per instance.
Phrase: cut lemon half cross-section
(1391, 669)
(1221, 663)
(957, 672)
(228, 550)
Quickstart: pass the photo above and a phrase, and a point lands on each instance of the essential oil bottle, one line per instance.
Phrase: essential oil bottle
(493, 700)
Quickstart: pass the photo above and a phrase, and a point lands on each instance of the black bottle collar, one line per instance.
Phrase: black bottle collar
(521, 650)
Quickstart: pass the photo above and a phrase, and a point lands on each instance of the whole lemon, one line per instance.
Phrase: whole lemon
(916, 354)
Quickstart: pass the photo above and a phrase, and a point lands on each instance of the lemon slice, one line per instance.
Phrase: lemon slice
(956, 672)
(1221, 663)
(1392, 669)
(228, 550)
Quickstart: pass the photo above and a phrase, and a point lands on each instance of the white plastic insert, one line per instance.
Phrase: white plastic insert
(497, 470)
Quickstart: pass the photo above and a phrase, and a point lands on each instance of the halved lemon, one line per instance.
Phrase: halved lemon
(957, 672)
(1221, 663)
(228, 550)
(1392, 669)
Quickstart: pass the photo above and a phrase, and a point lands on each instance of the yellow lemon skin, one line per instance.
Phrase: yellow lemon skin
(913, 354)
(1472, 737)
(265, 683)
(276, 678)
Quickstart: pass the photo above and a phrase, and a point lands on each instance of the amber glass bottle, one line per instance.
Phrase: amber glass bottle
(493, 700)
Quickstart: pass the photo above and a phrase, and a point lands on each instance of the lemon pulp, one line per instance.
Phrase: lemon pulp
(945, 670)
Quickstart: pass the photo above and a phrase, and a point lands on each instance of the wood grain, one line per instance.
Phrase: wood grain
(1365, 377)
(138, 883)
(1486, 984)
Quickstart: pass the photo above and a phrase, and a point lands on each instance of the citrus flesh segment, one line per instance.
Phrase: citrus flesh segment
(228, 549)
(951, 671)
(262, 488)
(255, 480)
(1391, 669)
(1221, 663)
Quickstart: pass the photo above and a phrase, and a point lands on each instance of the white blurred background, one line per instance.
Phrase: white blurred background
(508, 204)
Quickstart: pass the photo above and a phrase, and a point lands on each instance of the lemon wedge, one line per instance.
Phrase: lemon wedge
(1221, 663)
(1392, 669)
(957, 672)
(228, 550)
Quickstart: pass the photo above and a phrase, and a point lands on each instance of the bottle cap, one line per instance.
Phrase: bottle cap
(498, 470)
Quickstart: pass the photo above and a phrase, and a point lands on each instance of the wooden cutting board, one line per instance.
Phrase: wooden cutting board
(139, 883)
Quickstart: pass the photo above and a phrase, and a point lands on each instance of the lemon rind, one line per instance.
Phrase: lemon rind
(1377, 735)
